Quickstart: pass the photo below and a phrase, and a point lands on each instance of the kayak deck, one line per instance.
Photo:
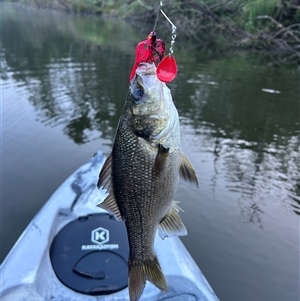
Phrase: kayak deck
(27, 272)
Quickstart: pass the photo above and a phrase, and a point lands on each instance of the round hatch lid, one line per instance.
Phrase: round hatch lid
(89, 255)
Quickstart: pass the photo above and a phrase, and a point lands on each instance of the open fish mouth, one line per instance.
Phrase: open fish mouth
(145, 84)
(146, 69)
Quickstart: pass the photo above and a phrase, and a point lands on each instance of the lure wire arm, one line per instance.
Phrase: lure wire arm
(174, 28)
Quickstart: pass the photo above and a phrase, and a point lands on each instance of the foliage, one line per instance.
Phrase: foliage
(255, 8)
(258, 24)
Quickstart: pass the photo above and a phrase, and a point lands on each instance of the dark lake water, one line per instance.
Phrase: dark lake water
(64, 82)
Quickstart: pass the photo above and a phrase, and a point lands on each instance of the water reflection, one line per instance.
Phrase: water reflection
(69, 79)
(76, 73)
(253, 136)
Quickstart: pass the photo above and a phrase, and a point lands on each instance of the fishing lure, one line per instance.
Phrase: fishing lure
(153, 49)
(150, 50)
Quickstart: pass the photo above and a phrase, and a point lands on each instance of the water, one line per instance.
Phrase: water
(64, 81)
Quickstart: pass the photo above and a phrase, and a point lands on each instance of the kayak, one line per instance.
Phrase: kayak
(73, 250)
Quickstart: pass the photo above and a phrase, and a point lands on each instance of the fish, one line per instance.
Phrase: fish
(141, 175)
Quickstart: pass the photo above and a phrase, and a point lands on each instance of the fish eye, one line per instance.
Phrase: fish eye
(137, 94)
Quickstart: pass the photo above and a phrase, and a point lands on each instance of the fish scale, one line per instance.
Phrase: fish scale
(132, 196)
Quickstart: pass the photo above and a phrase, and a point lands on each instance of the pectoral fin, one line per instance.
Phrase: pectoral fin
(160, 160)
(171, 224)
(186, 170)
(105, 181)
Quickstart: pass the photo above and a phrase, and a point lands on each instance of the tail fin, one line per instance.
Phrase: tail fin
(149, 270)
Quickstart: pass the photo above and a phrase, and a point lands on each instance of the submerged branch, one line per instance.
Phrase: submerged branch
(279, 25)
(290, 32)
(280, 37)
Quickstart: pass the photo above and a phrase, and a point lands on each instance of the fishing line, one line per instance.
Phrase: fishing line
(158, 10)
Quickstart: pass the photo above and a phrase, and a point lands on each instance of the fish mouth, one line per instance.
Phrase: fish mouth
(146, 69)
(145, 77)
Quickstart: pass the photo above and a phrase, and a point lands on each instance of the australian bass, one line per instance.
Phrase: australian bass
(142, 172)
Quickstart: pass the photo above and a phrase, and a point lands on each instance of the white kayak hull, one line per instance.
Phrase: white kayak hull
(27, 272)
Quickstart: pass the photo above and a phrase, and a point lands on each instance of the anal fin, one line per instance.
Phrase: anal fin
(171, 224)
(187, 171)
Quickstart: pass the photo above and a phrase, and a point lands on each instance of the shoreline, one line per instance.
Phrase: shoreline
(275, 39)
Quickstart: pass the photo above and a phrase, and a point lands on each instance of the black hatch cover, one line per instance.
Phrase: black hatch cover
(89, 255)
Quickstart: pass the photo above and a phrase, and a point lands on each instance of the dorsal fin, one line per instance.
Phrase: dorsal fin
(105, 181)
(186, 170)
(105, 173)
